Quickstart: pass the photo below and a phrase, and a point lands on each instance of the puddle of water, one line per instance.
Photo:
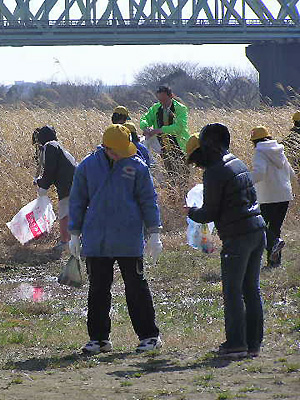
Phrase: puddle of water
(30, 292)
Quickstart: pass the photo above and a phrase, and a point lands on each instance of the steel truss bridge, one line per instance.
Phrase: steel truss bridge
(111, 22)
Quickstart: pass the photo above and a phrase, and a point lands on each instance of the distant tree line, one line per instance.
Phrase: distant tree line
(197, 86)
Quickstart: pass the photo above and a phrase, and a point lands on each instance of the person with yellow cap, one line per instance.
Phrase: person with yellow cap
(142, 150)
(292, 144)
(168, 121)
(229, 200)
(120, 115)
(112, 200)
(272, 175)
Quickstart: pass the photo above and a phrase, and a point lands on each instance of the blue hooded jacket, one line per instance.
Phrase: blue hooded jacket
(142, 151)
(110, 205)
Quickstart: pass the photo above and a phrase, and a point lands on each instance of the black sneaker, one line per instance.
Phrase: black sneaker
(253, 352)
(234, 352)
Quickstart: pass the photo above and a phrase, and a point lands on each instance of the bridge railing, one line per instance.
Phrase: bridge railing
(147, 23)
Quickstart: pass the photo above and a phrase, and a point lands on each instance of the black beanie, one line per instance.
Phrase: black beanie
(215, 136)
(46, 134)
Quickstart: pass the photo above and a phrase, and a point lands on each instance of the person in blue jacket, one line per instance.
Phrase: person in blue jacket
(121, 116)
(142, 150)
(112, 199)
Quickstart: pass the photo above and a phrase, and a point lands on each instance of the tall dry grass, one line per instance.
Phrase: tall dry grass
(81, 130)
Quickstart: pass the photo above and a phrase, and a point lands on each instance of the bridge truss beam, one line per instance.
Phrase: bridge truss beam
(109, 22)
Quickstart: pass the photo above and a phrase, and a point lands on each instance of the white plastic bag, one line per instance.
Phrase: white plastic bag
(71, 273)
(33, 220)
(198, 235)
(153, 144)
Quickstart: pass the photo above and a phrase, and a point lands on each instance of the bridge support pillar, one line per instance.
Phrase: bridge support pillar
(277, 64)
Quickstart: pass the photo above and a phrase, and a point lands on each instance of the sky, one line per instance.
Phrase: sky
(110, 64)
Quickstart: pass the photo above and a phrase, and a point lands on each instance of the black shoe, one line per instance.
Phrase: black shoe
(231, 352)
(253, 352)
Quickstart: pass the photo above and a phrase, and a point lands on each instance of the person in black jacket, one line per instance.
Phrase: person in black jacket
(55, 166)
(229, 199)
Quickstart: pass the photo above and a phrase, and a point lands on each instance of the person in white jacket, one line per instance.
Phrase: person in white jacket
(272, 175)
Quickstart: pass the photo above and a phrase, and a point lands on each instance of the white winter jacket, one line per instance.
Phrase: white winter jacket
(272, 173)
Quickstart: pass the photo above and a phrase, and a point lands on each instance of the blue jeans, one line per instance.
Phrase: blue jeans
(241, 259)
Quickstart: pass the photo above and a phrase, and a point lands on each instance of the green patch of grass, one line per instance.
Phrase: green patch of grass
(281, 359)
(137, 375)
(225, 394)
(249, 389)
(11, 337)
(28, 309)
(204, 380)
(254, 368)
(151, 355)
(17, 380)
(292, 367)
(126, 383)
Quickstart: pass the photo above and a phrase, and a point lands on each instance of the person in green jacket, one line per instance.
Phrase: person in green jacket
(168, 120)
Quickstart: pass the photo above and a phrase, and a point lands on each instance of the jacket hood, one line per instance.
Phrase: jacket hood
(273, 151)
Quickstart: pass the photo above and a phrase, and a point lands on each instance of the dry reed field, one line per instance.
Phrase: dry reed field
(40, 342)
(81, 130)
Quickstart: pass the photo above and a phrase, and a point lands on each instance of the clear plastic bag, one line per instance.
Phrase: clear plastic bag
(152, 144)
(33, 220)
(193, 234)
(71, 273)
(198, 235)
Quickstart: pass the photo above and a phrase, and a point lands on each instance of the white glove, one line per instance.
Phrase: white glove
(74, 246)
(154, 246)
(41, 192)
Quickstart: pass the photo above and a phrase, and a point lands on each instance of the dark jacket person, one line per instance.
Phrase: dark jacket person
(56, 167)
(230, 201)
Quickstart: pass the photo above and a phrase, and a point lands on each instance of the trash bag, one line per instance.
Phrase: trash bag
(152, 144)
(71, 273)
(199, 236)
(194, 197)
(193, 234)
(33, 220)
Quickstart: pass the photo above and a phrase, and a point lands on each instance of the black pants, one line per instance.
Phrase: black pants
(273, 214)
(138, 297)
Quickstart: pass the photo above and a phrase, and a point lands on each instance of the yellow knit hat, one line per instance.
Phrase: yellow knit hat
(259, 132)
(192, 145)
(117, 138)
(296, 116)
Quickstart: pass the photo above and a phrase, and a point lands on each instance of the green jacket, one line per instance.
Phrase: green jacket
(179, 128)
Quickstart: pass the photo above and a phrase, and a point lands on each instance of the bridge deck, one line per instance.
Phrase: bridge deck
(112, 32)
